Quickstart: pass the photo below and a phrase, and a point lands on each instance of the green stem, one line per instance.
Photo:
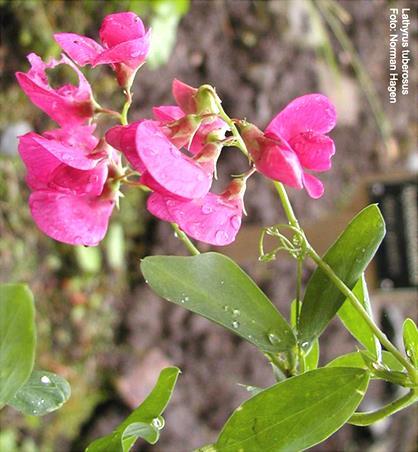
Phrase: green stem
(363, 313)
(286, 204)
(240, 142)
(187, 242)
(370, 417)
(125, 109)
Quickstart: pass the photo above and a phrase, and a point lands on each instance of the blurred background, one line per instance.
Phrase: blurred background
(98, 325)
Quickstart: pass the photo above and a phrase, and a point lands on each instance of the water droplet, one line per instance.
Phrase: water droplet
(236, 312)
(186, 298)
(222, 282)
(305, 344)
(45, 380)
(200, 176)
(235, 324)
(157, 423)
(236, 221)
(273, 338)
(226, 308)
(206, 209)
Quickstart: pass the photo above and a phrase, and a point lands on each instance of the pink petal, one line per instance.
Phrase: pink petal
(72, 154)
(122, 138)
(173, 170)
(38, 161)
(79, 136)
(314, 150)
(184, 96)
(79, 182)
(313, 186)
(156, 204)
(276, 160)
(121, 27)
(212, 219)
(79, 48)
(167, 113)
(132, 53)
(68, 105)
(77, 220)
(313, 112)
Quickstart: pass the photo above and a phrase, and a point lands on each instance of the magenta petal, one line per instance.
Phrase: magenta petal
(313, 112)
(72, 155)
(167, 113)
(132, 53)
(173, 170)
(156, 204)
(212, 219)
(79, 182)
(278, 162)
(68, 105)
(79, 48)
(121, 27)
(314, 150)
(184, 96)
(122, 138)
(71, 219)
(39, 162)
(313, 185)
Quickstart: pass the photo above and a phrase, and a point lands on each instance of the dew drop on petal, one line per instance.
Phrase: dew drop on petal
(206, 209)
(236, 221)
(45, 380)
(235, 324)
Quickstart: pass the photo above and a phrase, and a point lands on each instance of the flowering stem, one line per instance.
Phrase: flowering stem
(286, 205)
(370, 417)
(185, 239)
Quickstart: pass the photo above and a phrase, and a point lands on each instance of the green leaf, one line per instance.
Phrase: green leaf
(145, 421)
(353, 321)
(295, 414)
(410, 340)
(215, 287)
(43, 393)
(355, 359)
(348, 257)
(17, 338)
(312, 357)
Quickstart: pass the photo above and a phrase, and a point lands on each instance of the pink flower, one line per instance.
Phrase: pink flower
(71, 200)
(68, 105)
(273, 157)
(123, 138)
(213, 219)
(191, 123)
(125, 45)
(302, 126)
(169, 167)
(163, 166)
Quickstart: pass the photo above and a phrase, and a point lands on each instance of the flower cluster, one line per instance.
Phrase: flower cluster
(75, 177)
